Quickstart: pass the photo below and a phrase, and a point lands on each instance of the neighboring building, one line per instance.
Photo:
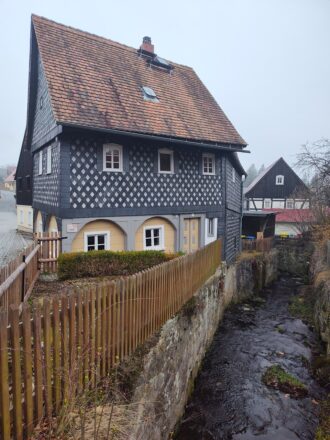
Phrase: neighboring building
(293, 222)
(278, 186)
(10, 181)
(128, 150)
(24, 183)
(258, 224)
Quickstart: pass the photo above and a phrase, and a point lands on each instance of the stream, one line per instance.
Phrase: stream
(230, 400)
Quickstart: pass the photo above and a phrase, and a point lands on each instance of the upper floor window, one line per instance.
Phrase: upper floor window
(267, 203)
(40, 163)
(49, 160)
(112, 157)
(208, 163)
(154, 238)
(279, 180)
(165, 161)
(289, 204)
(233, 175)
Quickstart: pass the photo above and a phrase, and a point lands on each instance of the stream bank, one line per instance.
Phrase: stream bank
(230, 400)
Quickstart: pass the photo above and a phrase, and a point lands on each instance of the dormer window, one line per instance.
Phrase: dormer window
(149, 94)
(279, 180)
(112, 157)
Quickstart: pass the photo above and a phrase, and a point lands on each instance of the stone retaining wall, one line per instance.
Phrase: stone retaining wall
(172, 364)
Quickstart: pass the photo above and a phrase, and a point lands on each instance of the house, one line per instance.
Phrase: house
(278, 186)
(292, 222)
(10, 181)
(128, 150)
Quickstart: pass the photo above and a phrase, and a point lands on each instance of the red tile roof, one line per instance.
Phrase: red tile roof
(97, 82)
(292, 215)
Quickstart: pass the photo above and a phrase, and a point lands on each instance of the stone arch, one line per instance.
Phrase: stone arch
(52, 224)
(168, 229)
(38, 222)
(116, 235)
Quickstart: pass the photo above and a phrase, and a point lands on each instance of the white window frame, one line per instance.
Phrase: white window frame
(113, 147)
(94, 233)
(212, 157)
(233, 175)
(279, 179)
(49, 160)
(210, 229)
(171, 153)
(40, 163)
(292, 202)
(267, 201)
(161, 245)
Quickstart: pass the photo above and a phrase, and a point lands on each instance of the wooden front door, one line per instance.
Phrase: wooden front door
(190, 234)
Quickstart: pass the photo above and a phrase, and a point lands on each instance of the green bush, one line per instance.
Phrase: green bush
(108, 263)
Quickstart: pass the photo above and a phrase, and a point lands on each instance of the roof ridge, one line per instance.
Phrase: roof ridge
(260, 176)
(94, 36)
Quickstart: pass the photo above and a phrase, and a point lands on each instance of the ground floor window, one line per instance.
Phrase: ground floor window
(153, 238)
(210, 227)
(97, 241)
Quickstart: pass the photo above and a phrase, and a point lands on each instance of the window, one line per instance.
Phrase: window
(21, 216)
(289, 204)
(210, 227)
(279, 180)
(96, 241)
(154, 238)
(208, 164)
(267, 203)
(30, 218)
(149, 94)
(233, 175)
(112, 157)
(40, 162)
(165, 161)
(49, 160)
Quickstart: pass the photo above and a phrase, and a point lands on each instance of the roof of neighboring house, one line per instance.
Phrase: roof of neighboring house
(11, 177)
(292, 215)
(95, 82)
(260, 176)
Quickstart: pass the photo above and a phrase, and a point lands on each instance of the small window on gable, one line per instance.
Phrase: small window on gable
(208, 164)
(40, 163)
(279, 180)
(49, 160)
(112, 157)
(154, 238)
(165, 161)
(149, 94)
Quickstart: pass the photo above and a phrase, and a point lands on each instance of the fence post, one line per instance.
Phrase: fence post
(23, 281)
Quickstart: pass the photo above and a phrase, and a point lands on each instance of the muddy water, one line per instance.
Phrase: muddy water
(229, 400)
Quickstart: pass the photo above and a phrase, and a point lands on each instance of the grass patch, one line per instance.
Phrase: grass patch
(276, 377)
(302, 306)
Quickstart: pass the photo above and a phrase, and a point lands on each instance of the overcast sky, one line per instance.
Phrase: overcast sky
(267, 62)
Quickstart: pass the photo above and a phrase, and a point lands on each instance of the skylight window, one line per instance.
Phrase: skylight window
(149, 94)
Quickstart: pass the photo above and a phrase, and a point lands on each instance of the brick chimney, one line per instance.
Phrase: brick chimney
(146, 45)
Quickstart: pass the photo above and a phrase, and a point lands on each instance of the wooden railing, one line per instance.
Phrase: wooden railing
(259, 244)
(55, 351)
(19, 276)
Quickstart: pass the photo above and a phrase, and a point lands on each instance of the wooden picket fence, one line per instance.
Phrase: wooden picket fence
(259, 244)
(55, 351)
(19, 276)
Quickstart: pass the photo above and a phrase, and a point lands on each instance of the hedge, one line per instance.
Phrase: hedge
(108, 263)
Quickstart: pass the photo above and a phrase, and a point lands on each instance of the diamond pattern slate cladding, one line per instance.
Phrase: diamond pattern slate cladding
(46, 186)
(140, 186)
